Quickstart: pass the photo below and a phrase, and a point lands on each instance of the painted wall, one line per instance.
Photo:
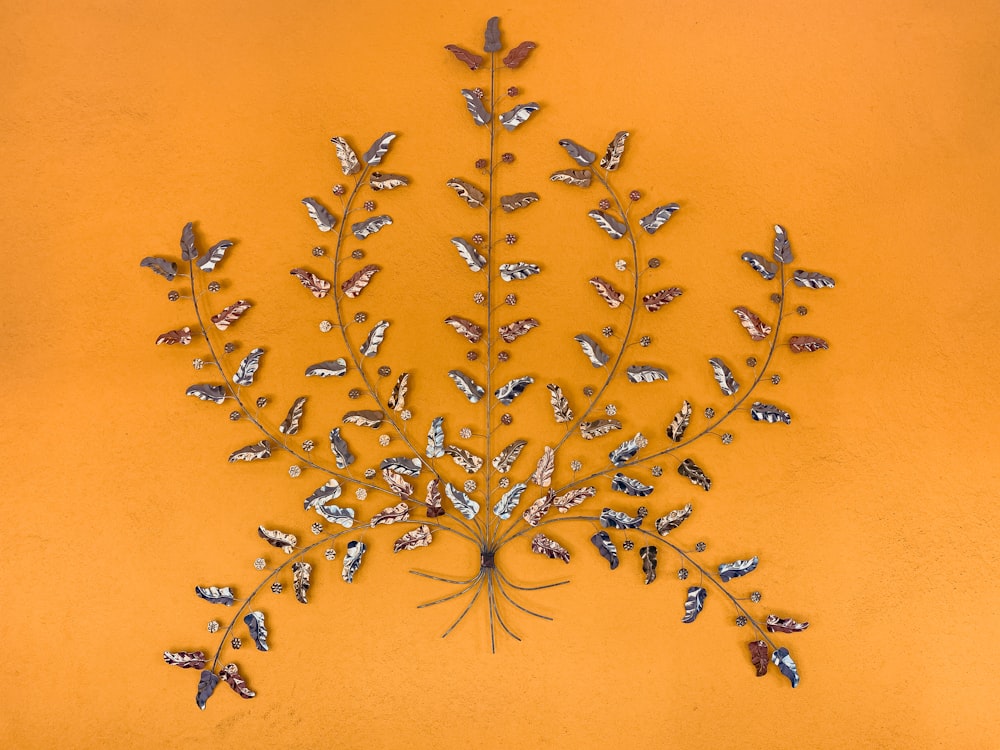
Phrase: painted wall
(867, 130)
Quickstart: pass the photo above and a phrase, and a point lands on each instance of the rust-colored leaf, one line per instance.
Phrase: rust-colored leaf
(539, 508)
(365, 418)
(776, 624)
(513, 331)
(608, 293)
(576, 177)
(230, 674)
(513, 202)
(180, 336)
(433, 501)
(391, 515)
(472, 331)
(185, 659)
(418, 537)
(398, 484)
(354, 285)
(680, 422)
(542, 545)
(573, 498)
(467, 192)
(759, 656)
(397, 399)
(560, 405)
(656, 300)
(757, 328)
(319, 287)
(469, 58)
(386, 181)
(612, 159)
(519, 54)
(797, 344)
(231, 314)
(546, 465)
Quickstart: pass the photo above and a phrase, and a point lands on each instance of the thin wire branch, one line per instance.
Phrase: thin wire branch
(464, 611)
(503, 591)
(451, 596)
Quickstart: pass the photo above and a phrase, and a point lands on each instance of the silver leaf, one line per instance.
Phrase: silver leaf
(627, 450)
(644, 373)
(323, 218)
(812, 279)
(370, 226)
(469, 254)
(248, 367)
(630, 486)
(582, 156)
(617, 519)
(519, 114)
(517, 271)
(352, 560)
(479, 114)
(508, 502)
(724, 376)
(658, 217)
(214, 256)
(512, 389)
(339, 448)
(694, 603)
(410, 467)
(610, 224)
(373, 156)
(761, 265)
(737, 569)
(435, 438)
(597, 356)
(462, 502)
(327, 369)
(374, 339)
(782, 248)
(208, 392)
(761, 412)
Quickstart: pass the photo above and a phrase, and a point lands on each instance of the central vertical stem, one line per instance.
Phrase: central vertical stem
(489, 301)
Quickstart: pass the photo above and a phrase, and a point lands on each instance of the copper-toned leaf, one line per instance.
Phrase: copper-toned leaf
(658, 217)
(230, 675)
(418, 537)
(606, 547)
(214, 256)
(694, 474)
(673, 519)
(797, 344)
(782, 248)
(354, 285)
(542, 545)
(375, 337)
(546, 465)
(319, 287)
(612, 159)
(244, 374)
(188, 249)
(608, 293)
(352, 560)
(185, 659)
(398, 483)
(513, 388)
(506, 457)
(230, 314)
(560, 405)
(301, 575)
(786, 666)
(282, 540)
(760, 655)
(582, 156)
(392, 514)
(162, 267)
(491, 41)
(519, 54)
(512, 331)
(597, 356)
(348, 159)
(761, 412)
(812, 279)
(513, 202)
(680, 422)
(374, 155)
(761, 265)
(368, 227)
(180, 336)
(433, 501)
(206, 686)
(630, 486)
(648, 557)
(472, 331)
(598, 427)
(325, 221)
(537, 510)
(470, 59)
(573, 498)
(616, 229)
(475, 106)
(656, 300)
(724, 376)
(776, 624)
(466, 459)
(518, 115)
(290, 424)
(576, 177)
(255, 452)
(365, 418)
(216, 595)
(694, 603)
(467, 192)
(385, 181)
(757, 328)
(397, 399)
(737, 569)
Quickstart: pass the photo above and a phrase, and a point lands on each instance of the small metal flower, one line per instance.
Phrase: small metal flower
(504, 482)
(641, 440)
(503, 356)
(478, 92)
(802, 310)
(235, 416)
(229, 348)
(620, 264)
(642, 512)
(360, 317)
(645, 341)
(308, 445)
(654, 263)
(261, 402)
(506, 419)
(775, 379)
(727, 438)
(507, 157)
(213, 626)
(325, 326)
(330, 553)
(465, 433)
(260, 563)
(472, 355)
(510, 238)
(236, 643)
(406, 415)
(575, 465)
(197, 363)
(384, 371)
(470, 485)
(700, 547)
(478, 298)
(656, 471)
(741, 620)
(607, 331)
(511, 299)
(339, 190)
(318, 252)
(588, 391)
(357, 254)
(360, 493)
(369, 205)
(776, 298)
(276, 587)
(628, 545)
(316, 528)
(755, 596)
(477, 239)
(294, 471)
(173, 295)
(481, 163)
(682, 573)
(604, 204)
(634, 195)
(513, 91)
(610, 410)
(383, 440)
(709, 412)
(354, 393)
(370, 473)
(214, 286)
(751, 361)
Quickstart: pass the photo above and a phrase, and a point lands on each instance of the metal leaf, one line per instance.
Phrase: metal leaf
(390, 515)
(248, 367)
(398, 484)
(757, 328)
(512, 331)
(519, 54)
(617, 519)
(290, 424)
(785, 665)
(353, 286)
(368, 227)
(214, 256)
(737, 569)
(613, 156)
(185, 659)
(759, 656)
(630, 486)
(694, 603)
(329, 369)
(433, 501)
(509, 500)
(208, 392)
(467, 192)
(510, 203)
(397, 399)
(365, 418)
(374, 155)
(348, 159)
(180, 336)
(258, 632)
(777, 624)
(335, 514)
(462, 502)
(282, 540)
(517, 271)
(782, 248)
(560, 405)
(230, 314)
(188, 249)
(301, 575)
(610, 224)
(318, 213)
(658, 217)
(645, 373)
(410, 467)
(598, 427)
(230, 674)
(206, 686)
(469, 254)
(492, 36)
(608, 293)
(469, 58)
(761, 412)
(673, 519)
(519, 114)
(418, 537)
(216, 595)
(466, 459)
(680, 422)
(546, 466)
(573, 498)
(542, 545)
(606, 547)
(472, 331)
(724, 377)
(648, 557)
(582, 156)
(479, 114)
(338, 446)
(537, 510)
(656, 300)
(435, 438)
(375, 337)
(352, 560)
(800, 344)
(597, 356)
(386, 181)
(575, 177)
(507, 456)
(510, 390)
(162, 267)
(812, 280)
(323, 494)
(254, 452)
(761, 265)
(690, 470)
(467, 386)
(627, 450)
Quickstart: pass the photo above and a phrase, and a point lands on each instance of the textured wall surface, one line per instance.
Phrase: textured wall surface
(868, 131)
